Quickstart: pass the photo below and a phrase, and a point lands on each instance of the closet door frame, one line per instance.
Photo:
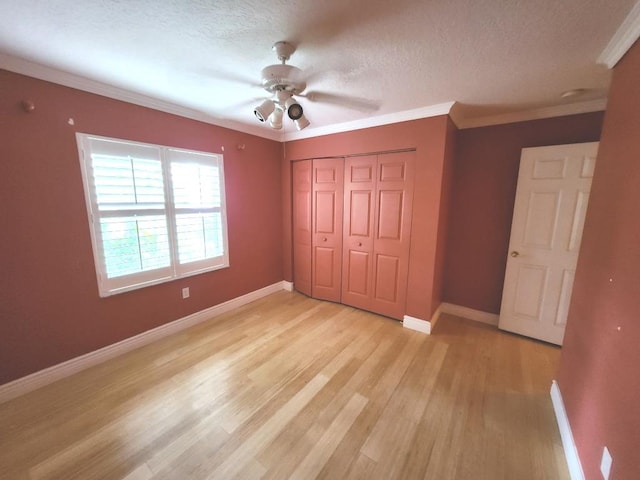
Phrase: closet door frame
(352, 229)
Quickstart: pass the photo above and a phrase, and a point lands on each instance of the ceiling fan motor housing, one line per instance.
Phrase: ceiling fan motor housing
(287, 78)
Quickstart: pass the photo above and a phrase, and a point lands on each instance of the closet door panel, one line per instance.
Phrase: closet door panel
(392, 226)
(327, 205)
(359, 214)
(358, 275)
(387, 273)
(390, 216)
(325, 275)
(302, 220)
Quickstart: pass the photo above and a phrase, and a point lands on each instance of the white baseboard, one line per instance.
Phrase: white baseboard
(288, 286)
(416, 324)
(469, 313)
(49, 375)
(426, 326)
(570, 450)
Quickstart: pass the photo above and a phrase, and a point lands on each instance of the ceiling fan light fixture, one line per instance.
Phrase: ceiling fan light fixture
(294, 109)
(263, 110)
(301, 122)
(275, 120)
(282, 81)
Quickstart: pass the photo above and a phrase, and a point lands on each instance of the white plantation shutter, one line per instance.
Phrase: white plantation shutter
(198, 191)
(156, 213)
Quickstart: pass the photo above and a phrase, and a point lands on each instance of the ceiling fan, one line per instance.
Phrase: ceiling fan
(282, 81)
(285, 82)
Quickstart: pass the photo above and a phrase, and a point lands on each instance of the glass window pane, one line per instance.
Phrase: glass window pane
(199, 236)
(154, 242)
(195, 185)
(213, 234)
(149, 183)
(133, 245)
(127, 183)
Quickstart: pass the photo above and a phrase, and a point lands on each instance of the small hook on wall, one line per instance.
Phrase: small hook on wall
(241, 146)
(28, 106)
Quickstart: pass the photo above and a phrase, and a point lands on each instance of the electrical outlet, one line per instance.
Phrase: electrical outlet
(185, 292)
(605, 463)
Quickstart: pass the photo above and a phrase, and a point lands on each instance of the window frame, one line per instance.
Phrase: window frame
(176, 270)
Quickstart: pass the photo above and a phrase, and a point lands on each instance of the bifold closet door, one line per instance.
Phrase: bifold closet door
(392, 232)
(359, 216)
(327, 204)
(302, 221)
(378, 201)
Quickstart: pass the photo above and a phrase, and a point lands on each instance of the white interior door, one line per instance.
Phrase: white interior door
(551, 203)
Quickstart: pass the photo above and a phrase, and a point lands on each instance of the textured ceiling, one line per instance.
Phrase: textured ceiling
(377, 57)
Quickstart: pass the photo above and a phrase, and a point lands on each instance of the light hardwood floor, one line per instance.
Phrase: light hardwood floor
(290, 387)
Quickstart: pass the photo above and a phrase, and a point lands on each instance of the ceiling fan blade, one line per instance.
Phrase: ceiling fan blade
(312, 75)
(229, 77)
(248, 104)
(207, 75)
(347, 101)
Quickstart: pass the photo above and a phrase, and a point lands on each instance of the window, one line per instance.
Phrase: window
(156, 213)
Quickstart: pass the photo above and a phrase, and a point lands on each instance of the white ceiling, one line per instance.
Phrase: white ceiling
(203, 58)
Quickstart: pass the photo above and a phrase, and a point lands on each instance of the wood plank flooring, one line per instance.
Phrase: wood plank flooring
(290, 387)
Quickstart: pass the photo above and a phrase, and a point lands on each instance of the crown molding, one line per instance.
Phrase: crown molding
(67, 79)
(535, 114)
(623, 39)
(454, 110)
(397, 117)
(60, 77)
(457, 114)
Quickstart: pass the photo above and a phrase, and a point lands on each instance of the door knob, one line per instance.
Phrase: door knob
(359, 244)
(324, 239)
(515, 254)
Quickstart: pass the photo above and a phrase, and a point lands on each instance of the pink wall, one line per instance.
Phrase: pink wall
(445, 213)
(484, 187)
(49, 305)
(598, 374)
(429, 137)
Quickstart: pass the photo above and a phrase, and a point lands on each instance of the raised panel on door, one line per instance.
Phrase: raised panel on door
(386, 274)
(301, 196)
(549, 211)
(541, 222)
(327, 205)
(359, 211)
(530, 289)
(356, 274)
(392, 230)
